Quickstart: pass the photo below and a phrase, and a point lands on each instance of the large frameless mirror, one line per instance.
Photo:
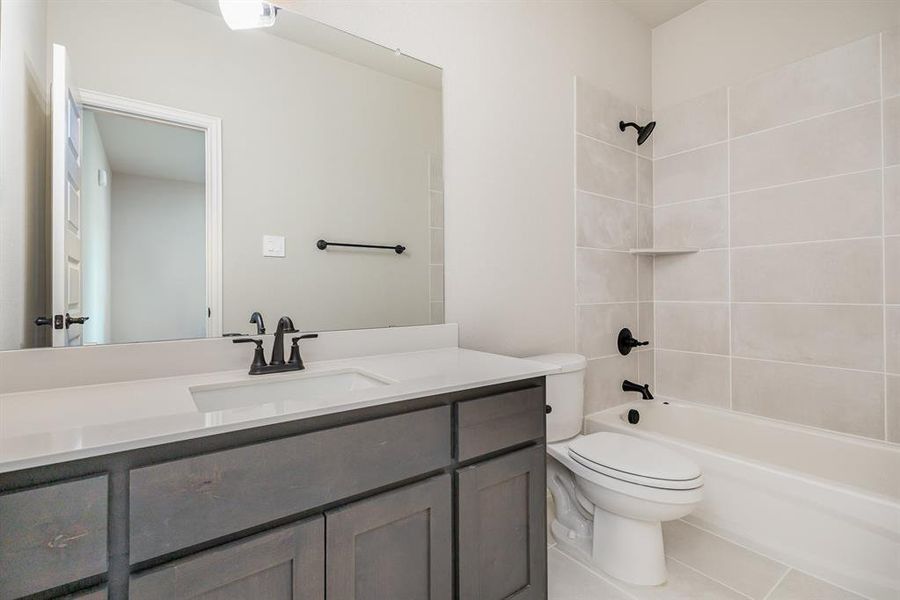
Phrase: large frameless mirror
(166, 176)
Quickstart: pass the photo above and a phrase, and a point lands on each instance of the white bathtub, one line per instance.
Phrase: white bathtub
(827, 504)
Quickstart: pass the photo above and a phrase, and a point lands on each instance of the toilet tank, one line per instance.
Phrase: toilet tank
(565, 395)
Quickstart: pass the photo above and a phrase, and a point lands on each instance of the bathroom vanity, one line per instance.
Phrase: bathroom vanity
(368, 498)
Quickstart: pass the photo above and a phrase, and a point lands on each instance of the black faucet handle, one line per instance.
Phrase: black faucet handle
(259, 357)
(295, 358)
(626, 342)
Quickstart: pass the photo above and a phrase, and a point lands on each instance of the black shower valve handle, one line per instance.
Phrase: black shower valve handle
(626, 342)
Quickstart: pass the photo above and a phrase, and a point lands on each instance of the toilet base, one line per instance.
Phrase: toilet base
(629, 549)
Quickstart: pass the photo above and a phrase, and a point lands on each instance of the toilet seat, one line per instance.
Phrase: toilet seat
(633, 460)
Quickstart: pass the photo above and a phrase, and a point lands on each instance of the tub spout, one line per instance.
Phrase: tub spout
(644, 390)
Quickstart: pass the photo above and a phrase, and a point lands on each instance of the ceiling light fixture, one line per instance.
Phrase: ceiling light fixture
(248, 14)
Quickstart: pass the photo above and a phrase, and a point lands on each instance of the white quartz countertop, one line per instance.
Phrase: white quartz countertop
(49, 426)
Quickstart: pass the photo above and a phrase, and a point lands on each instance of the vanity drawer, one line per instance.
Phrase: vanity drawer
(52, 535)
(189, 501)
(500, 421)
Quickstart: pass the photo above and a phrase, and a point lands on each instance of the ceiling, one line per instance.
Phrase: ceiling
(657, 12)
(301, 30)
(152, 149)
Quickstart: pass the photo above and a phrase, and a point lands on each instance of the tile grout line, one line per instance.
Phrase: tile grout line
(776, 361)
(777, 583)
(599, 195)
(605, 143)
(728, 225)
(773, 186)
(733, 542)
(575, 286)
(709, 577)
(884, 280)
(607, 579)
(768, 129)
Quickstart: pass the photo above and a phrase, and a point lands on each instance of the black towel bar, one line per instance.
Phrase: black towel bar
(322, 245)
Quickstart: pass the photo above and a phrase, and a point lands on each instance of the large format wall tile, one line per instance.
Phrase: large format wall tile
(437, 246)
(603, 381)
(892, 131)
(598, 113)
(645, 278)
(840, 78)
(646, 366)
(604, 222)
(843, 142)
(646, 319)
(605, 276)
(700, 224)
(893, 408)
(437, 282)
(605, 170)
(890, 52)
(599, 326)
(645, 227)
(695, 377)
(836, 399)
(892, 200)
(750, 573)
(645, 181)
(644, 116)
(694, 327)
(846, 271)
(826, 209)
(892, 270)
(437, 209)
(696, 174)
(702, 276)
(832, 335)
(892, 331)
(697, 122)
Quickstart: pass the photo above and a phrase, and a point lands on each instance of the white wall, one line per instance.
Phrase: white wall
(314, 147)
(509, 69)
(727, 42)
(24, 277)
(158, 259)
(96, 231)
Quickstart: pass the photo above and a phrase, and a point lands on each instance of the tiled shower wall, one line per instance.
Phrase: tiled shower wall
(790, 185)
(613, 213)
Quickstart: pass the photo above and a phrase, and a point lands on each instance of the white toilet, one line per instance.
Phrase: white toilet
(611, 491)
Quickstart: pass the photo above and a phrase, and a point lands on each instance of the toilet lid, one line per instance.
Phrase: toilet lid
(633, 459)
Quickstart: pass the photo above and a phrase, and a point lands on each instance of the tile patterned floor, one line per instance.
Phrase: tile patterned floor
(702, 566)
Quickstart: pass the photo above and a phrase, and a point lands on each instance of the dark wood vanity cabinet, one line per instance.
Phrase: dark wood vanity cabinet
(429, 499)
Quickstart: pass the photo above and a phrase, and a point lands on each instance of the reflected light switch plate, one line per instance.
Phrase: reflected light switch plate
(273, 245)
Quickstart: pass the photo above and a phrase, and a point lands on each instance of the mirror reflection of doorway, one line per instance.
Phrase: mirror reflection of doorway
(143, 229)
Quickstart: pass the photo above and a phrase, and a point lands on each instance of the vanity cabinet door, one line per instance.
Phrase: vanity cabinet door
(52, 535)
(502, 527)
(284, 564)
(396, 545)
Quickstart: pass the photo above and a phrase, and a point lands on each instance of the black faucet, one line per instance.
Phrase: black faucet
(277, 364)
(628, 386)
(285, 325)
(260, 325)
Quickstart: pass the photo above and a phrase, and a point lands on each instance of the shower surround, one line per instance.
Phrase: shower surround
(790, 186)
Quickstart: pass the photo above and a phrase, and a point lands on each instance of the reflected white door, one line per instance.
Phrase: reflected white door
(65, 109)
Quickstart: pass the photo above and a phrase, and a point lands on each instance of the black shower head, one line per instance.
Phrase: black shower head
(643, 132)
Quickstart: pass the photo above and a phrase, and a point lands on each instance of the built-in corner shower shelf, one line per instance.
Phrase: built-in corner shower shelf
(662, 251)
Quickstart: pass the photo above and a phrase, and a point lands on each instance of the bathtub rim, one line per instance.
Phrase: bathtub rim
(835, 486)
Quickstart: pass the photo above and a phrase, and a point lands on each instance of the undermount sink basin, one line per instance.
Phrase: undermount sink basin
(304, 392)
